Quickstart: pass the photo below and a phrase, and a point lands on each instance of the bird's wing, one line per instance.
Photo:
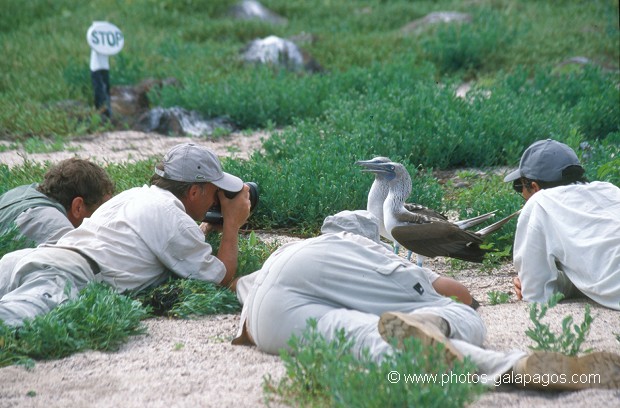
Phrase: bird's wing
(484, 232)
(425, 211)
(415, 217)
(440, 239)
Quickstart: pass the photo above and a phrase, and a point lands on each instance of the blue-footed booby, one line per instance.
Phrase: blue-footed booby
(417, 228)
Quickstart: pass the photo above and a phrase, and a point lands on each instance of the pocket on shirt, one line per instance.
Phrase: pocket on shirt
(389, 268)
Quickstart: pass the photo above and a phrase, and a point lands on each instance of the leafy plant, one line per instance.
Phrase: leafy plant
(185, 298)
(325, 373)
(496, 258)
(497, 298)
(566, 342)
(469, 46)
(99, 319)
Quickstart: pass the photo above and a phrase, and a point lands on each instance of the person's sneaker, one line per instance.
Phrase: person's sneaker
(430, 329)
(555, 371)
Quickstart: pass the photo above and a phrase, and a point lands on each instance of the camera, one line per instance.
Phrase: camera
(214, 215)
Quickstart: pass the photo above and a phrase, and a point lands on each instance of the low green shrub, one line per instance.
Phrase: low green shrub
(99, 319)
(486, 193)
(253, 98)
(325, 373)
(469, 47)
(567, 342)
(185, 298)
(497, 297)
(587, 96)
(602, 160)
(127, 175)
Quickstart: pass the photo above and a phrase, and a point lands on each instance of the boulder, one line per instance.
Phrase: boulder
(417, 26)
(179, 121)
(254, 10)
(280, 53)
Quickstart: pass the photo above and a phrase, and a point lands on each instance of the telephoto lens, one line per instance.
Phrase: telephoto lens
(214, 215)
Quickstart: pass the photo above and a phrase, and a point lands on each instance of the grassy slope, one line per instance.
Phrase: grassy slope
(46, 55)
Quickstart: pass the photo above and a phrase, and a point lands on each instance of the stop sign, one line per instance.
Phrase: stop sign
(105, 38)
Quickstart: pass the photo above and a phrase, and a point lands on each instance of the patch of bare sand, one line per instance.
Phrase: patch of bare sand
(131, 146)
(190, 363)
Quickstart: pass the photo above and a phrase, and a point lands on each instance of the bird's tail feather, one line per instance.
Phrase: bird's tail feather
(496, 225)
(468, 223)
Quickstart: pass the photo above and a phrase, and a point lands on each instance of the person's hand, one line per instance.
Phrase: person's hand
(517, 282)
(235, 211)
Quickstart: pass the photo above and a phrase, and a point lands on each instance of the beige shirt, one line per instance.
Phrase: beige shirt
(140, 236)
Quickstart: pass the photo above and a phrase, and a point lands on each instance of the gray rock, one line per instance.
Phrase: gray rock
(417, 26)
(274, 51)
(179, 121)
(253, 10)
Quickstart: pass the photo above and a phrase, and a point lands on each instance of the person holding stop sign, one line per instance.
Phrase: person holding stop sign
(104, 39)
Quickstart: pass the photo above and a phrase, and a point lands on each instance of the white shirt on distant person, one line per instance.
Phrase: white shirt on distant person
(570, 235)
(99, 61)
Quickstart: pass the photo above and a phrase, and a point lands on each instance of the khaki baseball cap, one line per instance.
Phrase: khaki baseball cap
(191, 163)
(360, 222)
(544, 160)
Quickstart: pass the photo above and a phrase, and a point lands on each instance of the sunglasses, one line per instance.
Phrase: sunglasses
(518, 185)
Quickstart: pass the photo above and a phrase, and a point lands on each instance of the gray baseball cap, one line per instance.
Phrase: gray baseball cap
(191, 163)
(544, 160)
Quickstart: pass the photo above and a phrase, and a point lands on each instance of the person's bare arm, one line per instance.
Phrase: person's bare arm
(451, 288)
(517, 282)
(235, 213)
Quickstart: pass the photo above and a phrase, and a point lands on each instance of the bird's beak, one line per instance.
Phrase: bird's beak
(373, 166)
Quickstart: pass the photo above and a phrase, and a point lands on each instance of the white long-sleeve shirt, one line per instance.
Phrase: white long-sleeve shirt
(140, 236)
(570, 232)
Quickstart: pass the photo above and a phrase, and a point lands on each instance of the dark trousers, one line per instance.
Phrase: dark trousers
(101, 86)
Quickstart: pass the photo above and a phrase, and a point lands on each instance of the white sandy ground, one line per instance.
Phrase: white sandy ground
(130, 146)
(190, 363)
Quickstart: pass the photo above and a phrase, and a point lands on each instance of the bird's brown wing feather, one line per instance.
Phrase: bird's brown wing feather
(416, 218)
(425, 211)
(440, 239)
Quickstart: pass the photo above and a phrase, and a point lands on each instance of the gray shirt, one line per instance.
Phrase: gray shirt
(36, 216)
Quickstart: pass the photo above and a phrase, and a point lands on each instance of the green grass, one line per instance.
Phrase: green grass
(46, 55)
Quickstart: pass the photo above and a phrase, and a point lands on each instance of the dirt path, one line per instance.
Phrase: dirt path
(129, 146)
